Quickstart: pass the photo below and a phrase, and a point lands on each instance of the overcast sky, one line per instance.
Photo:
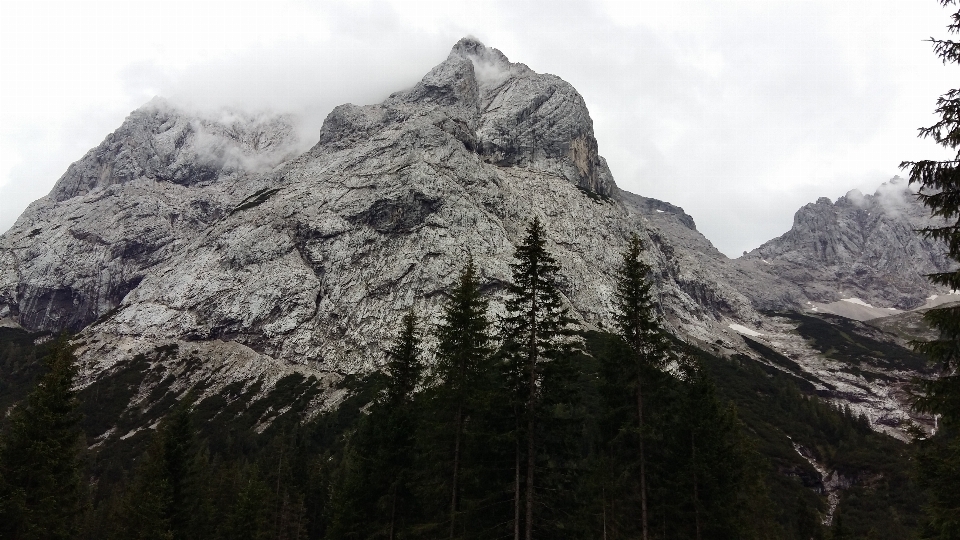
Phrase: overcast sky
(740, 112)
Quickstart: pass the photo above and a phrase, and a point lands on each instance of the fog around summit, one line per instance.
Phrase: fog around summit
(740, 112)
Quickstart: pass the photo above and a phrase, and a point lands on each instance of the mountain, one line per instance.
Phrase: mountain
(861, 246)
(225, 250)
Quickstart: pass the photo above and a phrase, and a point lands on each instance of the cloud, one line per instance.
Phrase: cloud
(740, 112)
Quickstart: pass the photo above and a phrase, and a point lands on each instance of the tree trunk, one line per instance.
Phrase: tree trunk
(643, 462)
(393, 513)
(531, 460)
(456, 469)
(603, 502)
(696, 496)
(516, 482)
(532, 357)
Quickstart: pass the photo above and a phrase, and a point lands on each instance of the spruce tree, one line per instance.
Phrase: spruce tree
(640, 328)
(404, 367)
(165, 500)
(405, 371)
(536, 330)
(40, 482)
(939, 183)
(464, 348)
(372, 497)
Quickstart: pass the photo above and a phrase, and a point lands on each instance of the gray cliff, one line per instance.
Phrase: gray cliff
(861, 246)
(217, 234)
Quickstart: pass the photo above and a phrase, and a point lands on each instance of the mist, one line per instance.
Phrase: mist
(739, 112)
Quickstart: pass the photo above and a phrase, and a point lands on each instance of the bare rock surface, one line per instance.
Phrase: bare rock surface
(861, 246)
(216, 235)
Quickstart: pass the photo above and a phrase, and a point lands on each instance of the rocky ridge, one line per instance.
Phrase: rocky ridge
(217, 236)
(861, 246)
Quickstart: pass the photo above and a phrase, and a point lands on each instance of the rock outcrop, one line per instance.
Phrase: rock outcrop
(861, 246)
(219, 236)
(181, 228)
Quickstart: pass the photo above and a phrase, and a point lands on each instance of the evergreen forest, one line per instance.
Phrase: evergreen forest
(523, 427)
(480, 427)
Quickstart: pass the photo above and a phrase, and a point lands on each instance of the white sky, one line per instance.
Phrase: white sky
(740, 112)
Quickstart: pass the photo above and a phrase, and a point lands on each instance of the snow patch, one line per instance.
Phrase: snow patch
(856, 301)
(661, 211)
(744, 330)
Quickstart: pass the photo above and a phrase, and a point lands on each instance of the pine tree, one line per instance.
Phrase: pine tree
(939, 183)
(372, 495)
(405, 371)
(535, 331)
(404, 367)
(463, 351)
(641, 330)
(165, 498)
(718, 478)
(40, 483)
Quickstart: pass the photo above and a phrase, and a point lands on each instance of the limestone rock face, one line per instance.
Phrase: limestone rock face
(861, 246)
(128, 205)
(180, 227)
(215, 234)
(160, 143)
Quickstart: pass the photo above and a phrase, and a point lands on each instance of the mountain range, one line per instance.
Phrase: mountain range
(250, 254)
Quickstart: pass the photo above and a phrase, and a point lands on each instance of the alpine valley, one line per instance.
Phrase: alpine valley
(224, 257)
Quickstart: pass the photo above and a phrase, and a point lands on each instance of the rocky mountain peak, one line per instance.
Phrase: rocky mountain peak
(863, 246)
(212, 233)
(164, 143)
(505, 112)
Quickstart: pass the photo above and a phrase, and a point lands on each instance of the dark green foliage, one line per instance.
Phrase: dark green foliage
(404, 368)
(165, 499)
(40, 456)
(20, 363)
(640, 329)
(463, 365)
(597, 197)
(772, 405)
(719, 440)
(939, 182)
(700, 469)
(536, 331)
(939, 470)
(636, 315)
(331, 477)
(373, 492)
(839, 338)
(103, 403)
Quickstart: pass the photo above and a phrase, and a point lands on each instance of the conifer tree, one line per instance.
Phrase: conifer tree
(404, 367)
(373, 497)
(939, 183)
(463, 351)
(165, 501)
(405, 371)
(537, 330)
(40, 483)
(640, 328)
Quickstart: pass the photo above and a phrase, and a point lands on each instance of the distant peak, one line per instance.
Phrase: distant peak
(469, 45)
(472, 48)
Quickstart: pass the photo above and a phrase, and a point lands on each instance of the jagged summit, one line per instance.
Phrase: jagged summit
(164, 143)
(862, 246)
(215, 236)
(505, 112)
